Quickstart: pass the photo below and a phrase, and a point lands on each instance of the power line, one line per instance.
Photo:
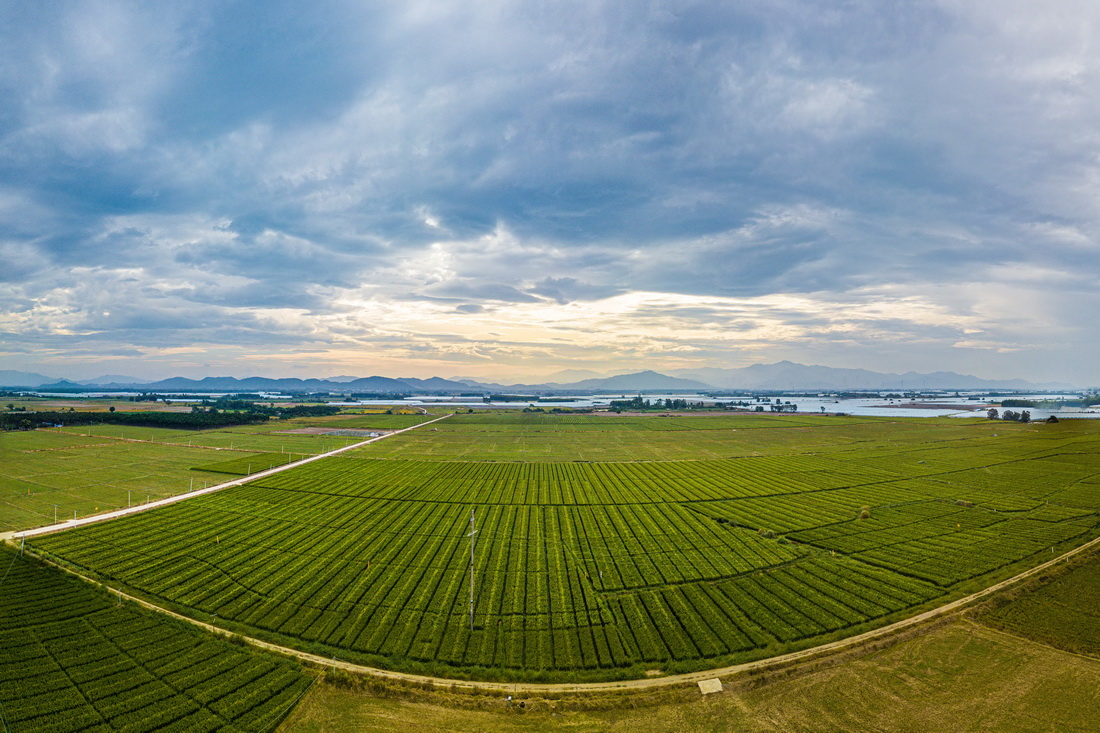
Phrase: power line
(473, 532)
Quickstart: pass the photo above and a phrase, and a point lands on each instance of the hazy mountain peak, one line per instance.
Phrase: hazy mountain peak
(11, 378)
(113, 379)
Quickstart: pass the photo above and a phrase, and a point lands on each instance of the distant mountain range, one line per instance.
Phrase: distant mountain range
(639, 381)
(10, 378)
(787, 375)
(784, 375)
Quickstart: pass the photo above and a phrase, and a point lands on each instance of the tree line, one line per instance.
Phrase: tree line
(1022, 416)
(182, 420)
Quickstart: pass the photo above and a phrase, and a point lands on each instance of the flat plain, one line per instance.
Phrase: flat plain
(96, 468)
(751, 536)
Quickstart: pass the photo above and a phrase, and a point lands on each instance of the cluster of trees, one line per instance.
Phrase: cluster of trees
(778, 405)
(1054, 404)
(641, 404)
(148, 397)
(223, 412)
(1022, 416)
(635, 403)
(148, 419)
(282, 412)
(508, 398)
(638, 403)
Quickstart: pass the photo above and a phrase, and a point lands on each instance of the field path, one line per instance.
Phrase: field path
(530, 688)
(69, 524)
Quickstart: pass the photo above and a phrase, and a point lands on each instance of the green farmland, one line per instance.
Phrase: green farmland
(96, 468)
(750, 536)
(1064, 613)
(72, 659)
(539, 438)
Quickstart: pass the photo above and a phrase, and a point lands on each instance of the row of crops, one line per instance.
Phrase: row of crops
(598, 569)
(556, 588)
(581, 483)
(73, 659)
(1062, 613)
(876, 441)
(767, 490)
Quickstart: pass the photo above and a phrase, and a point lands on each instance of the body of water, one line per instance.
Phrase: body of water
(864, 406)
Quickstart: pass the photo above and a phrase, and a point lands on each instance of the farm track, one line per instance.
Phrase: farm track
(619, 685)
(95, 519)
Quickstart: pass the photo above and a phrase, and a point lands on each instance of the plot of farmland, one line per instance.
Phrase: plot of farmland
(96, 468)
(71, 659)
(587, 570)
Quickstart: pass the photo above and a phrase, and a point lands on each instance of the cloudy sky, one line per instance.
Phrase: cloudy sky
(498, 189)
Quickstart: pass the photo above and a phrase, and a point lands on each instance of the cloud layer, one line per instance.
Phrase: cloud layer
(496, 190)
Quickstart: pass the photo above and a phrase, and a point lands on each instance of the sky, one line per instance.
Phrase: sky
(503, 190)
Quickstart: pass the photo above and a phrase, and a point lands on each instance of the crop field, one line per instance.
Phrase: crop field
(42, 469)
(1064, 613)
(525, 437)
(811, 528)
(91, 468)
(72, 659)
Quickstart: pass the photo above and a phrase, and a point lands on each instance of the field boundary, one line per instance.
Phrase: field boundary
(536, 688)
(106, 516)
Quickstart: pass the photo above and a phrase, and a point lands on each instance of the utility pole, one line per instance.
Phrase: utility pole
(473, 531)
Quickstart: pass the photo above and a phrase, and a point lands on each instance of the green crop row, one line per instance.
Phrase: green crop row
(101, 666)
